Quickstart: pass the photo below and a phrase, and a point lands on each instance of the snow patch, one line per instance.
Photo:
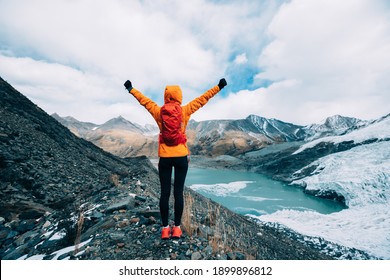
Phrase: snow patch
(58, 253)
(365, 228)
(361, 174)
(58, 235)
(221, 189)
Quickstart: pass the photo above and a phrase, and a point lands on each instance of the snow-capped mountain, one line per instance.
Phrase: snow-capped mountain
(277, 130)
(268, 129)
(377, 130)
(117, 136)
(211, 138)
(334, 125)
(235, 137)
(118, 123)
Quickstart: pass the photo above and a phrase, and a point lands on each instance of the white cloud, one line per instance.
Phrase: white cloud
(97, 45)
(121, 39)
(320, 57)
(338, 51)
(69, 92)
(241, 59)
(325, 58)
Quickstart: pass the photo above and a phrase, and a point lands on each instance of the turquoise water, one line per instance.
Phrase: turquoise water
(255, 194)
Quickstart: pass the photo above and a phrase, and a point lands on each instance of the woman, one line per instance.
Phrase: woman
(173, 150)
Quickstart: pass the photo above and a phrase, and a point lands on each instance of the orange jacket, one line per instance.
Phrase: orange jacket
(173, 93)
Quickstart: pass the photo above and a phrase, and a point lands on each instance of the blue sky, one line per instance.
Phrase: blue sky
(298, 61)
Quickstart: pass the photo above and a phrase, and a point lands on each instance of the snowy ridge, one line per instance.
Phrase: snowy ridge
(378, 130)
(119, 123)
(362, 176)
(334, 125)
(273, 128)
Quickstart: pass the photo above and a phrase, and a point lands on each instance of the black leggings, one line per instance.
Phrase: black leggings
(165, 166)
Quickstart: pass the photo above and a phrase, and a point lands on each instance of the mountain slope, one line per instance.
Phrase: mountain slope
(44, 161)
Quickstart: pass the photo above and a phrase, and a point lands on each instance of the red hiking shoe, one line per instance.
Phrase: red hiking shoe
(176, 232)
(165, 233)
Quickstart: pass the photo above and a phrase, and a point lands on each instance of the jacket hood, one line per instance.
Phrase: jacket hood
(173, 93)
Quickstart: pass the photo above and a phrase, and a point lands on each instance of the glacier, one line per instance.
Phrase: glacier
(362, 176)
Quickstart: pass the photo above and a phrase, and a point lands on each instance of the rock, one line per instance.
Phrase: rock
(46, 224)
(32, 214)
(141, 198)
(24, 238)
(208, 250)
(205, 231)
(24, 226)
(96, 215)
(134, 220)
(127, 203)
(4, 232)
(147, 213)
(239, 256)
(124, 223)
(12, 234)
(152, 220)
(117, 236)
(196, 256)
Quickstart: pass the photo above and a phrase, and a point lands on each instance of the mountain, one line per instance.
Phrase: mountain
(117, 136)
(64, 198)
(120, 123)
(78, 128)
(334, 125)
(277, 130)
(208, 138)
(235, 137)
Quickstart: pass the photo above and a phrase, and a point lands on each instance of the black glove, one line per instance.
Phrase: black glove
(128, 85)
(222, 83)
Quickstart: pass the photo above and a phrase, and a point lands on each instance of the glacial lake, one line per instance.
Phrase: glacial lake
(255, 194)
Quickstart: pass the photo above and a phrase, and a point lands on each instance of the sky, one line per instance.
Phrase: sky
(298, 61)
